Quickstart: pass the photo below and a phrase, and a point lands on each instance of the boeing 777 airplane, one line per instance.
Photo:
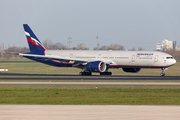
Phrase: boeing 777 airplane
(96, 61)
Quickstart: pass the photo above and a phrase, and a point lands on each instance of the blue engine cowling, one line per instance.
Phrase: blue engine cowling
(96, 66)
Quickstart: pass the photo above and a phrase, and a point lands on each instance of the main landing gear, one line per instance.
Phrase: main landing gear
(163, 70)
(106, 73)
(89, 73)
(85, 73)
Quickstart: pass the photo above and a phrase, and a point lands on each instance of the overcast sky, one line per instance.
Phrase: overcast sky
(131, 23)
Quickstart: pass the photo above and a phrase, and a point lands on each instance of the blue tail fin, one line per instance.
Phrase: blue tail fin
(35, 46)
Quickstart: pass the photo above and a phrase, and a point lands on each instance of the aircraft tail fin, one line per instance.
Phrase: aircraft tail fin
(35, 46)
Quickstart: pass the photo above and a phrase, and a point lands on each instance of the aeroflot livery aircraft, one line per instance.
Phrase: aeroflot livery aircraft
(96, 61)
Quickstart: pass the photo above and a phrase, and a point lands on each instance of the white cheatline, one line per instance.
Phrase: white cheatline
(27, 33)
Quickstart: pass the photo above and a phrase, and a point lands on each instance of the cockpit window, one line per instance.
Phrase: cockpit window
(169, 57)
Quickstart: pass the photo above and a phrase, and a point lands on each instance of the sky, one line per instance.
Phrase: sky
(131, 23)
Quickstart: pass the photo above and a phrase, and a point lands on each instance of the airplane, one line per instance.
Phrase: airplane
(96, 61)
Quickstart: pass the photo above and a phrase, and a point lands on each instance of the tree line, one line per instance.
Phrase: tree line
(49, 45)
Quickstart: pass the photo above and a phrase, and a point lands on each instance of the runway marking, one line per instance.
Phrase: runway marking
(3, 70)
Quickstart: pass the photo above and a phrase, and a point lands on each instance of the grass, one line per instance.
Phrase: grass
(89, 96)
(40, 68)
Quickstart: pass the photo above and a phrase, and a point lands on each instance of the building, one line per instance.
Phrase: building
(178, 48)
(166, 45)
(159, 46)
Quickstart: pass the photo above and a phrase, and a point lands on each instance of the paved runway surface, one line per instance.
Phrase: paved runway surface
(95, 83)
(89, 112)
(78, 77)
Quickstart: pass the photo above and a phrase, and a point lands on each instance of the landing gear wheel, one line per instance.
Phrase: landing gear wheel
(163, 70)
(162, 74)
(106, 73)
(85, 73)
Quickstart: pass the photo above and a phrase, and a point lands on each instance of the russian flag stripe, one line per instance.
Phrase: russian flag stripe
(28, 37)
(27, 33)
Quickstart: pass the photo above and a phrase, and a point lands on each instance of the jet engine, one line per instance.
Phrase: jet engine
(96, 66)
(133, 70)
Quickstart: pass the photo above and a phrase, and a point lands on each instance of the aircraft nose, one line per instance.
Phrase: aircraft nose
(170, 62)
(174, 61)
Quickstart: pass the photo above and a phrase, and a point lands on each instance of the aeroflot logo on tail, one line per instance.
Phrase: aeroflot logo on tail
(144, 53)
(32, 40)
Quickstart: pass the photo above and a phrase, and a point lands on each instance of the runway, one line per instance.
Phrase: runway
(89, 112)
(96, 83)
(24, 76)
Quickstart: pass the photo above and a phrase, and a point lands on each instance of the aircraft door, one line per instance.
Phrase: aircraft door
(71, 56)
(99, 57)
(133, 58)
(156, 58)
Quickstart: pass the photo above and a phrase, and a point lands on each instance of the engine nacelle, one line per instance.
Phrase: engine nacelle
(133, 70)
(96, 66)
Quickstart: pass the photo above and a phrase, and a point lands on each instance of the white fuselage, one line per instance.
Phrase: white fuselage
(144, 59)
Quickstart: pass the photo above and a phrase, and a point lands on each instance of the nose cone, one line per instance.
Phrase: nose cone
(170, 62)
(174, 61)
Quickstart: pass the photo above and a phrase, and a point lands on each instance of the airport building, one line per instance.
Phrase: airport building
(166, 45)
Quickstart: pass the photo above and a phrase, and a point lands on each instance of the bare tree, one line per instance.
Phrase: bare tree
(104, 48)
(75, 48)
(141, 49)
(1, 51)
(116, 47)
(14, 49)
(133, 49)
(24, 49)
(111, 47)
(48, 44)
(59, 46)
(17, 49)
(95, 48)
(80, 46)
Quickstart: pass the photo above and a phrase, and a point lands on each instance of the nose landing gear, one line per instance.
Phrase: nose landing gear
(162, 74)
(163, 70)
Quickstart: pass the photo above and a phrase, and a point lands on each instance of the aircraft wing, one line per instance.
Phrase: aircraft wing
(14, 53)
(53, 57)
(77, 62)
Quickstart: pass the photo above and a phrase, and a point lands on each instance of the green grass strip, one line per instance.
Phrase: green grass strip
(89, 96)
